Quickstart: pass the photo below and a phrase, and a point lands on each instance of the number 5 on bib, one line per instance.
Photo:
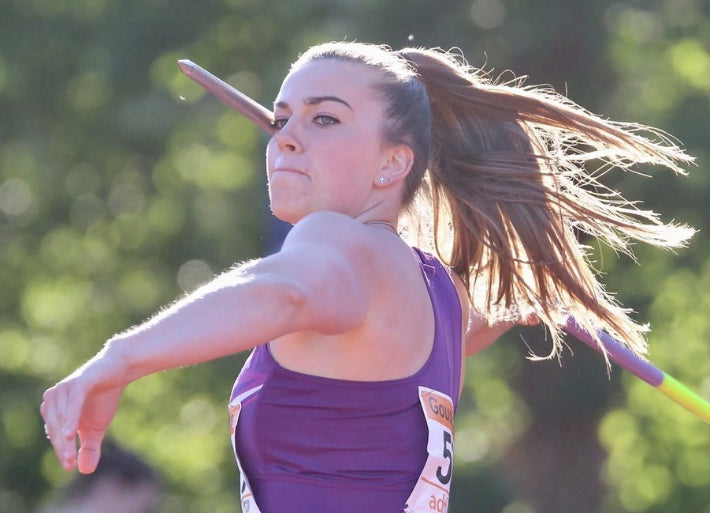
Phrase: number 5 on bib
(431, 493)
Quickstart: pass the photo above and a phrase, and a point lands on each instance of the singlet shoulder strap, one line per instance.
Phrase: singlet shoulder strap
(447, 313)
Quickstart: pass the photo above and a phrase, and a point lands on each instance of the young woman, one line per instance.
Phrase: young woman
(347, 400)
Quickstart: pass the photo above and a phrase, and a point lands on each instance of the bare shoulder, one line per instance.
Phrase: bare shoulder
(335, 235)
(330, 246)
(382, 262)
(327, 227)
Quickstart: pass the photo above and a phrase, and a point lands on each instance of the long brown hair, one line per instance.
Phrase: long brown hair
(505, 171)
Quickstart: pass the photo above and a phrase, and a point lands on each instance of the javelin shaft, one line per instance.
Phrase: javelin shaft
(643, 369)
(229, 95)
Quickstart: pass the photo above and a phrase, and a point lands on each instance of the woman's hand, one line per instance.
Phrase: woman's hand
(83, 405)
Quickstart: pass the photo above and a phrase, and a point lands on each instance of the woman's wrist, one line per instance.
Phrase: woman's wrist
(116, 362)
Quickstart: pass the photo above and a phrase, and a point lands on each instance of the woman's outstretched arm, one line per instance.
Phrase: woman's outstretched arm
(316, 283)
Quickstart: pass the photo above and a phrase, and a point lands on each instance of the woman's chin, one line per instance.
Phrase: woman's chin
(286, 215)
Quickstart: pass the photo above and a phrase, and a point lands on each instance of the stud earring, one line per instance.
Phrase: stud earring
(382, 180)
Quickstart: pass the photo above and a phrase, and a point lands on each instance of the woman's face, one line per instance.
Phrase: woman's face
(327, 150)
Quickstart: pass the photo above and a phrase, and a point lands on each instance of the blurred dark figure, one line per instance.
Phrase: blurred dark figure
(122, 483)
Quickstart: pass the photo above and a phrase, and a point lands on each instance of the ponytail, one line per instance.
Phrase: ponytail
(510, 193)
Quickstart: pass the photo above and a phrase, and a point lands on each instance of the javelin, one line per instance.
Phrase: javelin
(229, 95)
(643, 369)
(617, 352)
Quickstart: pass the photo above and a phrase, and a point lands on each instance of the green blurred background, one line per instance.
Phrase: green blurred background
(122, 184)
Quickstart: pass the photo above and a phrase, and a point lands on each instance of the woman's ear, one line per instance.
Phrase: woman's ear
(398, 163)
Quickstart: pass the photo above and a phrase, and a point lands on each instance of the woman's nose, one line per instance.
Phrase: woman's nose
(286, 139)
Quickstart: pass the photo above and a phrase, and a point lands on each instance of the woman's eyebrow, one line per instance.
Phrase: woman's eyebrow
(314, 100)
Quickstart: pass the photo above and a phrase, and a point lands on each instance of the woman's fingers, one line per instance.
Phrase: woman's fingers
(59, 411)
(77, 407)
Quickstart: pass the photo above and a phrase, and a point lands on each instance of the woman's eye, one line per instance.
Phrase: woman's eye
(324, 119)
(278, 124)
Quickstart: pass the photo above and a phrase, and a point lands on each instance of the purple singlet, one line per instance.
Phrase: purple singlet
(308, 444)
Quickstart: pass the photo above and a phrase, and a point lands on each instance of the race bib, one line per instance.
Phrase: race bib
(431, 493)
(246, 496)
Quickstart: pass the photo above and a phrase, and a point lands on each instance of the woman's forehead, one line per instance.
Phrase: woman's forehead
(327, 77)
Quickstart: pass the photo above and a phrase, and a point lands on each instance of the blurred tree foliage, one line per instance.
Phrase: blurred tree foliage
(122, 185)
